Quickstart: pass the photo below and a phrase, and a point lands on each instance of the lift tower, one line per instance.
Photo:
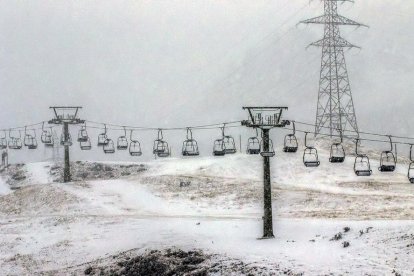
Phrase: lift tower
(335, 108)
(266, 118)
(66, 115)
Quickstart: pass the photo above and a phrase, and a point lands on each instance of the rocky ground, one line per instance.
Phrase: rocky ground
(171, 261)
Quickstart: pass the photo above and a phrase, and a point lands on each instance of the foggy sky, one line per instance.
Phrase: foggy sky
(178, 63)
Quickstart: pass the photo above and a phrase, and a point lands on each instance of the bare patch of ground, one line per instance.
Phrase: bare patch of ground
(173, 261)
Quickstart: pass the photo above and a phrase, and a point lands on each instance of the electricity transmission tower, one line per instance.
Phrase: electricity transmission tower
(335, 108)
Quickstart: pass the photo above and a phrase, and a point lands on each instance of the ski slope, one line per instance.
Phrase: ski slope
(214, 204)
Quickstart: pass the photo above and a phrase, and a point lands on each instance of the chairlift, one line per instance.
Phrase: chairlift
(109, 146)
(102, 138)
(66, 141)
(46, 138)
(134, 146)
(253, 144)
(15, 142)
(160, 147)
(122, 143)
(411, 172)
(229, 144)
(83, 134)
(30, 139)
(337, 154)
(190, 145)
(411, 167)
(3, 141)
(166, 150)
(362, 166)
(50, 142)
(310, 155)
(270, 152)
(291, 142)
(85, 145)
(388, 161)
(219, 148)
(31, 142)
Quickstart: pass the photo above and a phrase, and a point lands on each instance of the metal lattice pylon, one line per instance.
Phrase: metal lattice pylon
(335, 108)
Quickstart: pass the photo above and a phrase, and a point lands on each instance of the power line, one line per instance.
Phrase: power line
(361, 132)
(322, 135)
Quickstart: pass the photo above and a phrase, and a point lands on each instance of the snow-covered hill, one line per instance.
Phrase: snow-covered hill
(214, 205)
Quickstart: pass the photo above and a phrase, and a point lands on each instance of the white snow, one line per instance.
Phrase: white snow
(39, 172)
(4, 188)
(219, 212)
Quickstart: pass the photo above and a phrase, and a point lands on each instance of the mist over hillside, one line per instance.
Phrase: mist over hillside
(178, 63)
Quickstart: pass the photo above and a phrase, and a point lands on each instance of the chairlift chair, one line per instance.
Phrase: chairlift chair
(85, 145)
(310, 155)
(109, 146)
(253, 144)
(219, 149)
(388, 161)
(270, 152)
(3, 141)
(159, 145)
(337, 154)
(229, 144)
(290, 143)
(83, 134)
(362, 166)
(190, 145)
(31, 142)
(410, 173)
(164, 149)
(15, 142)
(134, 146)
(49, 141)
(65, 142)
(30, 139)
(46, 137)
(102, 138)
(122, 142)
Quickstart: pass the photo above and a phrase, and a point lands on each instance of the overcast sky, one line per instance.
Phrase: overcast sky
(188, 62)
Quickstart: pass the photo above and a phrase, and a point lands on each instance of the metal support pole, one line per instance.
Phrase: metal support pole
(240, 144)
(267, 190)
(66, 172)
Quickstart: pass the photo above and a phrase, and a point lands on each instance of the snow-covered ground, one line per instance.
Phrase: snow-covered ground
(4, 188)
(215, 205)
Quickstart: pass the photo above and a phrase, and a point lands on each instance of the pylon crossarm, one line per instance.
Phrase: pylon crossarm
(339, 43)
(332, 19)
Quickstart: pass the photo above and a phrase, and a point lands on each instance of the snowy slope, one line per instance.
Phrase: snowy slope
(4, 188)
(215, 204)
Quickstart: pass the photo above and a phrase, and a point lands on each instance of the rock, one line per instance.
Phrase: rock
(88, 271)
(336, 237)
